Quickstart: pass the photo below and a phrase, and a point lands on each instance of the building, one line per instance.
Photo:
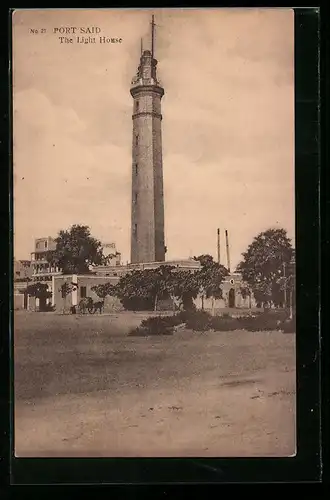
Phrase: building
(22, 277)
(112, 255)
(147, 208)
(42, 270)
(22, 270)
(83, 287)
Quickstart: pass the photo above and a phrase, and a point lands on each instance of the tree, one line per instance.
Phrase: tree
(76, 250)
(246, 292)
(140, 290)
(39, 291)
(264, 263)
(184, 287)
(161, 283)
(132, 293)
(102, 291)
(209, 278)
(287, 285)
(143, 289)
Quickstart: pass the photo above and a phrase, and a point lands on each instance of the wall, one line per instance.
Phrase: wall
(111, 304)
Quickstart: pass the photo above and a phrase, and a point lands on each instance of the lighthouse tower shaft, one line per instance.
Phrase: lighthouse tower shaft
(147, 213)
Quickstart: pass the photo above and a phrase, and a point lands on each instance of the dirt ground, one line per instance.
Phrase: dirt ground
(83, 387)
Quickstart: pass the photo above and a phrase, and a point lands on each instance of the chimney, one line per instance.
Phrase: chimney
(227, 249)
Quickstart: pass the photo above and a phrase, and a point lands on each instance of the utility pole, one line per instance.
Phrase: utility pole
(227, 248)
(218, 246)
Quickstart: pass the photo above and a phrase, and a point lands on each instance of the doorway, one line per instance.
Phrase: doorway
(231, 298)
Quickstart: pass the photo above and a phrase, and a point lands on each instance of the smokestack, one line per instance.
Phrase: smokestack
(218, 246)
(227, 248)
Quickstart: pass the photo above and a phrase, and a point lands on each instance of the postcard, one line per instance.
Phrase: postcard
(154, 232)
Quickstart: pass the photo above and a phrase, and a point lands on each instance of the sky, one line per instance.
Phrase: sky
(228, 125)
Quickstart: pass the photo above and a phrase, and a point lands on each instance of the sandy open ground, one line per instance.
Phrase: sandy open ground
(83, 387)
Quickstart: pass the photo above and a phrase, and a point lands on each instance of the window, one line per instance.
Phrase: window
(135, 229)
(135, 198)
(45, 244)
(136, 139)
(136, 168)
(83, 293)
(137, 106)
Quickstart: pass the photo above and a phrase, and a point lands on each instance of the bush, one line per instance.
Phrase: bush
(155, 325)
(226, 315)
(199, 321)
(268, 321)
(224, 324)
(203, 321)
(145, 332)
(261, 322)
(179, 318)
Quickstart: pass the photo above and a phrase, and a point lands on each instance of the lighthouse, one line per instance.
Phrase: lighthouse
(147, 211)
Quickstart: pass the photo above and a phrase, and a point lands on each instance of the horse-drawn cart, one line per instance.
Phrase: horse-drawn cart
(87, 304)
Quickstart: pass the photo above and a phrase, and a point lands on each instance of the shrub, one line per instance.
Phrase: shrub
(224, 324)
(180, 317)
(280, 314)
(146, 332)
(155, 325)
(268, 321)
(226, 315)
(199, 321)
(261, 322)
